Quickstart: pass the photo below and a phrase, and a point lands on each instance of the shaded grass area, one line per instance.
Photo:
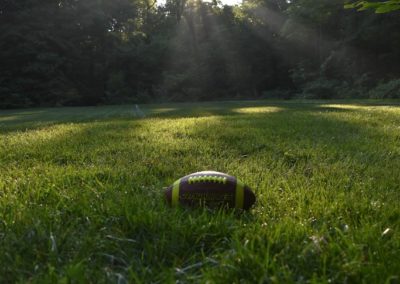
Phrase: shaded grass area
(81, 193)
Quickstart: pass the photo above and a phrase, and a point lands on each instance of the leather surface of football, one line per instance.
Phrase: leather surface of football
(211, 189)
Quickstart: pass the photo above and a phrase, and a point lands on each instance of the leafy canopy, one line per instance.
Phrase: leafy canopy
(379, 7)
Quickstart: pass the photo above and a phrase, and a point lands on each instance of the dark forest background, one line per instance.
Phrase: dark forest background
(88, 52)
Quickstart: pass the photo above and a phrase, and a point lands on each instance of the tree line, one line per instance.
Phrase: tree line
(88, 52)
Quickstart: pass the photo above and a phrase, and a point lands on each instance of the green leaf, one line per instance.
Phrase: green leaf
(387, 8)
(379, 7)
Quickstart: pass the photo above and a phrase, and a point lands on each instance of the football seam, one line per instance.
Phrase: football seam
(207, 178)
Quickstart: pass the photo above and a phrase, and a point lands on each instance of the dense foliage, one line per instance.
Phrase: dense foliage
(85, 52)
(379, 7)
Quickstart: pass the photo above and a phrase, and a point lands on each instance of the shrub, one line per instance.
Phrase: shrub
(356, 87)
(13, 100)
(388, 90)
(321, 88)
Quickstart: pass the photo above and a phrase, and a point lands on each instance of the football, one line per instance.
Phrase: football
(210, 189)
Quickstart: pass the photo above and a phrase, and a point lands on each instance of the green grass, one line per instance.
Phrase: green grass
(81, 193)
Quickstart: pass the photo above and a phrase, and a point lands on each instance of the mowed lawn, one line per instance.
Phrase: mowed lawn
(81, 193)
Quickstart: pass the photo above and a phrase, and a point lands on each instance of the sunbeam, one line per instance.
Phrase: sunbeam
(309, 41)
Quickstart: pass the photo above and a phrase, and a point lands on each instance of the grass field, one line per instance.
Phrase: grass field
(81, 193)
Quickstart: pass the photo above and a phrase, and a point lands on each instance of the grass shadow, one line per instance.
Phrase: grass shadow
(89, 196)
(30, 119)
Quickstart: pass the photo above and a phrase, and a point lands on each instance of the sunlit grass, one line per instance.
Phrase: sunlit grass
(81, 193)
(9, 118)
(257, 109)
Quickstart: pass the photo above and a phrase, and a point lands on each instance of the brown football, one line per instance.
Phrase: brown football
(211, 189)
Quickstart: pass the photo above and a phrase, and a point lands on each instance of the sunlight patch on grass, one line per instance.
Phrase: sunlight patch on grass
(391, 108)
(263, 109)
(180, 135)
(10, 118)
(32, 141)
(162, 110)
(345, 106)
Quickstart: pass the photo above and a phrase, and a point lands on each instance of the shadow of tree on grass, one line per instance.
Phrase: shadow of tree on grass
(30, 119)
(97, 189)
